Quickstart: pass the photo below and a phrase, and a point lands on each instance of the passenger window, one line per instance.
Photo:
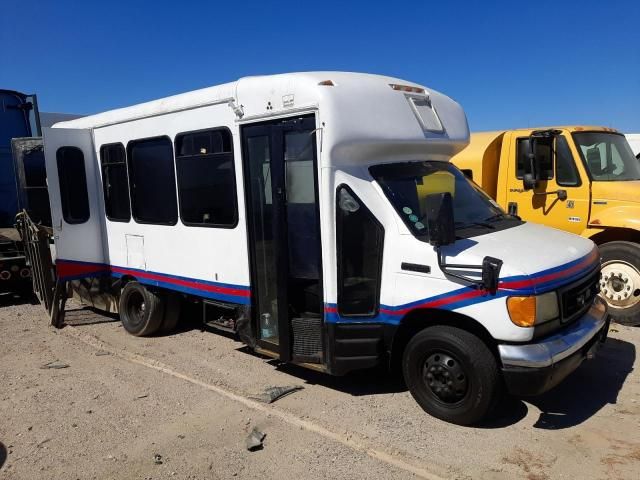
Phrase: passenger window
(360, 240)
(206, 178)
(566, 173)
(73, 185)
(115, 183)
(523, 164)
(152, 181)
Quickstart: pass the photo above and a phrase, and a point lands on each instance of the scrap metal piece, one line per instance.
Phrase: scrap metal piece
(271, 394)
(255, 439)
(55, 364)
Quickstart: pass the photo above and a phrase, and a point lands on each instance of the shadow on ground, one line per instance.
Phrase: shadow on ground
(592, 386)
(24, 298)
(595, 384)
(3, 454)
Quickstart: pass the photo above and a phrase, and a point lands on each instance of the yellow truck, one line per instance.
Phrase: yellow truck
(581, 179)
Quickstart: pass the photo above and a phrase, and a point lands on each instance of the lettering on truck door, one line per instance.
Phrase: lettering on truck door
(558, 172)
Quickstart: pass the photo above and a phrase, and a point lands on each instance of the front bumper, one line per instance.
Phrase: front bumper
(534, 368)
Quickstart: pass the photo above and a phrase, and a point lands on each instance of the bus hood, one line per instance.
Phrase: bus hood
(625, 191)
(535, 258)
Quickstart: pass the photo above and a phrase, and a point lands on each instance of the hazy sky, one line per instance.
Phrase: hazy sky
(510, 64)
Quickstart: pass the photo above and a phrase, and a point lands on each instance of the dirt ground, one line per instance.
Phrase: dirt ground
(123, 401)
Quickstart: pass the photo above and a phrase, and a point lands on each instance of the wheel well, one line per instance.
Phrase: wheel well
(616, 234)
(417, 320)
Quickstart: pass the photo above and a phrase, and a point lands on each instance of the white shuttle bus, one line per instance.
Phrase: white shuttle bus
(318, 217)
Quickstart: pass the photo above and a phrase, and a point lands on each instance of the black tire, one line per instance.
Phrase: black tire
(466, 362)
(141, 310)
(171, 313)
(627, 252)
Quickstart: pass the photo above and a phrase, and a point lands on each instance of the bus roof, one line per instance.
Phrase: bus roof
(357, 109)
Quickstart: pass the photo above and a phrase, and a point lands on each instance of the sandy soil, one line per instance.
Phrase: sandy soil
(186, 397)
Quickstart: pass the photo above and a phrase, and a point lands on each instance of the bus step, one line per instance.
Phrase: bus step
(307, 339)
(219, 315)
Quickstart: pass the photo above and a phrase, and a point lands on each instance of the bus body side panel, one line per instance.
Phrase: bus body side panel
(207, 262)
(78, 240)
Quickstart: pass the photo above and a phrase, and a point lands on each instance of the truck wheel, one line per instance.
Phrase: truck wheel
(141, 310)
(451, 374)
(620, 281)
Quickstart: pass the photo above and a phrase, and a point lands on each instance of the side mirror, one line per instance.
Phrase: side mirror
(439, 218)
(491, 273)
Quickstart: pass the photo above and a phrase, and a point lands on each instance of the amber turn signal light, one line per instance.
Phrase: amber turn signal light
(522, 310)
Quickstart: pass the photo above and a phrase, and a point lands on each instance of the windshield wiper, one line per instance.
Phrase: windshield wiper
(501, 216)
(474, 224)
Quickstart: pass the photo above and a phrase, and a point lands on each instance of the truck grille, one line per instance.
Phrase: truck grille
(576, 299)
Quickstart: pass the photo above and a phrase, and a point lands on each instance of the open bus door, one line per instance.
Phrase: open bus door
(284, 233)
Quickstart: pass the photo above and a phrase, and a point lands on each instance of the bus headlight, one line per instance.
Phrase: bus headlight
(533, 310)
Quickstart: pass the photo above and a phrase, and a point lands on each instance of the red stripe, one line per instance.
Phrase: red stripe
(184, 283)
(72, 269)
(551, 276)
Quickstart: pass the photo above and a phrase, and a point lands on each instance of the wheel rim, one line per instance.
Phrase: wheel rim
(620, 284)
(445, 378)
(136, 308)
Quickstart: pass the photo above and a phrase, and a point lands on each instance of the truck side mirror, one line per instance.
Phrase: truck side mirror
(491, 273)
(439, 219)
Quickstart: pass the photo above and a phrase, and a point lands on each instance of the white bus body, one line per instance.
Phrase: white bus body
(301, 204)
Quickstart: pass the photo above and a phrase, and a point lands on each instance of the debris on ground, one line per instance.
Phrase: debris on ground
(157, 459)
(142, 396)
(271, 394)
(100, 353)
(55, 365)
(255, 439)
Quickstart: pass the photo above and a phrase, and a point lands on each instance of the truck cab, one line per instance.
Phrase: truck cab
(581, 179)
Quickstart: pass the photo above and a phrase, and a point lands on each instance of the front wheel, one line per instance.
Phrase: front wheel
(452, 374)
(620, 281)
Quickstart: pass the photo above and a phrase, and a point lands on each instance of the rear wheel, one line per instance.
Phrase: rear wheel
(141, 310)
(620, 281)
(451, 374)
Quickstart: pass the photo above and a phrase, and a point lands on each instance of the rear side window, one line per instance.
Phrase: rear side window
(152, 181)
(114, 182)
(73, 185)
(360, 240)
(206, 178)
(524, 166)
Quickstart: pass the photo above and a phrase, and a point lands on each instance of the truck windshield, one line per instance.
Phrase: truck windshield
(406, 185)
(608, 156)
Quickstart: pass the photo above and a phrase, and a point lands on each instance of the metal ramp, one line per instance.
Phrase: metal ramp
(51, 291)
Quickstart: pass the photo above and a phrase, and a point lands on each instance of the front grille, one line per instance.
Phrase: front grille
(576, 299)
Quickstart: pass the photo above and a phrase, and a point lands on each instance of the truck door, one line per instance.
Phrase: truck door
(74, 196)
(558, 172)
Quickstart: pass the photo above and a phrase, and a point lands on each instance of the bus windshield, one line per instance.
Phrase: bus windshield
(608, 156)
(406, 185)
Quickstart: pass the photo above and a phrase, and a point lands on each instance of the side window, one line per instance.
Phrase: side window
(360, 240)
(73, 185)
(152, 181)
(206, 178)
(566, 173)
(114, 182)
(523, 164)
